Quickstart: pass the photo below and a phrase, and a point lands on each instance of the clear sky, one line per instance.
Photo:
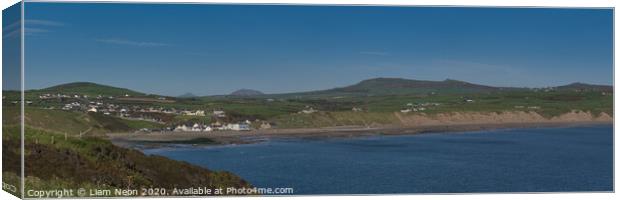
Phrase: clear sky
(216, 49)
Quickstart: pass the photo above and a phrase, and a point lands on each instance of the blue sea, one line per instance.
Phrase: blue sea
(514, 160)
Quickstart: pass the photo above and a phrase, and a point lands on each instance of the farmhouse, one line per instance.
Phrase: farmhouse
(219, 113)
(309, 110)
(265, 125)
(238, 127)
(182, 127)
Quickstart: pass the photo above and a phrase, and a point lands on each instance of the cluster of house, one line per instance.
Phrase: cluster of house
(201, 113)
(72, 106)
(122, 111)
(416, 107)
(217, 126)
(68, 96)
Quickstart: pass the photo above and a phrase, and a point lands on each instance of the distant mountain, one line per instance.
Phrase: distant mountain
(400, 86)
(246, 92)
(88, 88)
(586, 87)
(370, 87)
(187, 95)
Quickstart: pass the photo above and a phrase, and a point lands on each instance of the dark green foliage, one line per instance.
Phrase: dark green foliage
(98, 163)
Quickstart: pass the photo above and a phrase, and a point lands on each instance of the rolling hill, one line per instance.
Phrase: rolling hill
(187, 95)
(369, 87)
(246, 92)
(88, 88)
(400, 86)
(585, 86)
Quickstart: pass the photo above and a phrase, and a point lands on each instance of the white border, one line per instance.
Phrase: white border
(487, 3)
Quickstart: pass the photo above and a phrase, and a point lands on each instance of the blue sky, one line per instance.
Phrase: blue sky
(11, 48)
(216, 49)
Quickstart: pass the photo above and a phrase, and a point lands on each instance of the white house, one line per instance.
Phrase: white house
(219, 113)
(181, 128)
(239, 127)
(265, 125)
(200, 113)
(92, 109)
(309, 110)
(197, 127)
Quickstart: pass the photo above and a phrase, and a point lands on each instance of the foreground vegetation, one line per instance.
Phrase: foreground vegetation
(54, 161)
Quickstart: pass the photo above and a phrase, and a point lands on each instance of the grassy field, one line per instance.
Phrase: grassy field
(74, 123)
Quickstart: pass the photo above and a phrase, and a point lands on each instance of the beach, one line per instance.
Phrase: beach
(158, 139)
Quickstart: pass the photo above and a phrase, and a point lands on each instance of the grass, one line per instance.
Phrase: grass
(55, 162)
(74, 123)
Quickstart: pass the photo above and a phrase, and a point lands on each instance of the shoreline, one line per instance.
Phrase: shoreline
(158, 140)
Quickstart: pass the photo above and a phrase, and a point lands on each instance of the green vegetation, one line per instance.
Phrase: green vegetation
(54, 161)
(378, 99)
(74, 123)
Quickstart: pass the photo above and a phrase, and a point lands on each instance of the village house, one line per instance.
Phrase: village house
(181, 127)
(216, 125)
(219, 113)
(197, 127)
(308, 110)
(238, 127)
(265, 125)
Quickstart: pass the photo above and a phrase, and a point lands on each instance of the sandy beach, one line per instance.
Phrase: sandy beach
(245, 137)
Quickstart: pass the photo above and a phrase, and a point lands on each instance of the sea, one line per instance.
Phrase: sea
(568, 159)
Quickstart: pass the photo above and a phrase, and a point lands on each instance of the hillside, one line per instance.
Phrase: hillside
(586, 87)
(55, 162)
(59, 156)
(187, 95)
(88, 88)
(246, 92)
(73, 123)
(400, 86)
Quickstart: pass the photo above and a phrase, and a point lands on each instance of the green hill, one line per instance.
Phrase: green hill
(586, 87)
(398, 86)
(88, 88)
(405, 86)
(73, 123)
